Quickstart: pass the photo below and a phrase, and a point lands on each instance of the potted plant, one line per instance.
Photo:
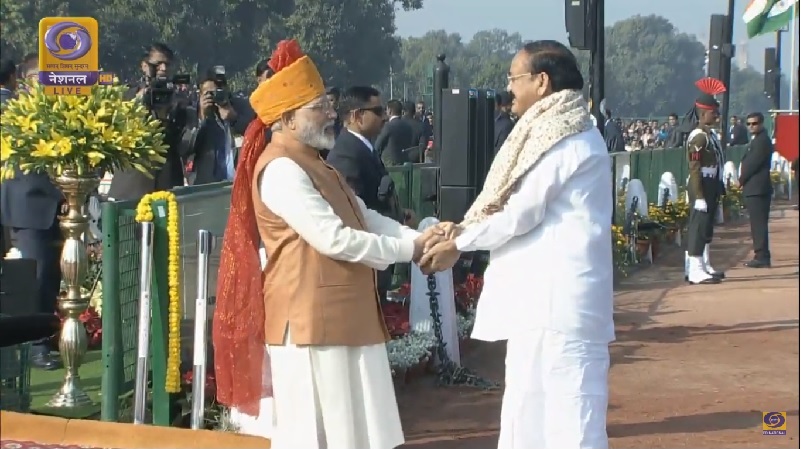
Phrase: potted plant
(74, 140)
(732, 202)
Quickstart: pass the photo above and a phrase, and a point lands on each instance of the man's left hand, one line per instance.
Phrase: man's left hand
(441, 257)
(227, 112)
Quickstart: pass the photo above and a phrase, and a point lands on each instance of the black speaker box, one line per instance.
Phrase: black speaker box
(484, 134)
(468, 136)
(18, 287)
(457, 153)
(719, 40)
(454, 202)
(577, 23)
(770, 72)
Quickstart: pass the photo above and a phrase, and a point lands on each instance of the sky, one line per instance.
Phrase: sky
(544, 19)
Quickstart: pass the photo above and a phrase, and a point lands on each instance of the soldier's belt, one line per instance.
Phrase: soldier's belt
(709, 172)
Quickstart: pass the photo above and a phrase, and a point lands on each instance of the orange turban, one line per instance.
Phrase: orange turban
(290, 88)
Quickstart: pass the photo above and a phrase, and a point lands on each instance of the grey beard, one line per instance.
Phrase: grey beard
(316, 138)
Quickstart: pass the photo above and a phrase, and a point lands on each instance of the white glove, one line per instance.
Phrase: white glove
(700, 205)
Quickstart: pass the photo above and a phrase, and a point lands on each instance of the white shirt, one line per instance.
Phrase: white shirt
(551, 248)
(289, 193)
(363, 139)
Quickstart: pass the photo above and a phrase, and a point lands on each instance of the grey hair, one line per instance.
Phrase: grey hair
(276, 127)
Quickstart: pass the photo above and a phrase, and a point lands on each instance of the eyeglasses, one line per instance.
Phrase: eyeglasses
(752, 123)
(377, 110)
(324, 105)
(511, 78)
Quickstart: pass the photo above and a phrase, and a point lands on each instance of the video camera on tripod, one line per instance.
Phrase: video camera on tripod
(160, 90)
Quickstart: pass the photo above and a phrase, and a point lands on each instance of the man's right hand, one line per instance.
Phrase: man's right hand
(426, 241)
(700, 205)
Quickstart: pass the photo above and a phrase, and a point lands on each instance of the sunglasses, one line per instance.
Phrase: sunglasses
(377, 110)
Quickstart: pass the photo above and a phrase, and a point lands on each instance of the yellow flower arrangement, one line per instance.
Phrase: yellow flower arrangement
(144, 213)
(82, 134)
(620, 248)
(775, 177)
(733, 199)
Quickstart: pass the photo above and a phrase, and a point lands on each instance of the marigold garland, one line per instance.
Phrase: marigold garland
(144, 213)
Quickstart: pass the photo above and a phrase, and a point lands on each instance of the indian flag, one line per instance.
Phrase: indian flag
(765, 16)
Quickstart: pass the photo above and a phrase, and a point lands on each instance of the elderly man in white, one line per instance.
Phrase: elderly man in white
(544, 215)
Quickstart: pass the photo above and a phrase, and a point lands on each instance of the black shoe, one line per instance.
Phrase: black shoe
(756, 263)
(707, 281)
(45, 362)
(720, 275)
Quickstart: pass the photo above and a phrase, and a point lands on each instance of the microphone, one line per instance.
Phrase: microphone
(16, 330)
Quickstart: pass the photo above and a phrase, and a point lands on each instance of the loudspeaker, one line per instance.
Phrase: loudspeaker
(770, 72)
(578, 24)
(484, 134)
(458, 149)
(454, 202)
(720, 55)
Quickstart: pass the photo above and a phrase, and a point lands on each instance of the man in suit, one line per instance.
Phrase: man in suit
(359, 163)
(132, 184)
(29, 207)
(613, 135)
(419, 136)
(757, 188)
(213, 148)
(503, 119)
(396, 137)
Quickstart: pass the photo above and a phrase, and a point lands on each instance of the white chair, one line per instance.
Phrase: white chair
(731, 174)
(667, 182)
(636, 190)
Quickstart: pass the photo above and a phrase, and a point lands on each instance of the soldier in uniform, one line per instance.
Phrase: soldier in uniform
(705, 186)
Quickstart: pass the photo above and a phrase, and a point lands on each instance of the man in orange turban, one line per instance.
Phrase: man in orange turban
(314, 305)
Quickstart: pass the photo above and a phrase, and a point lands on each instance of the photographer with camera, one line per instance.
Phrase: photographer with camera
(158, 93)
(221, 117)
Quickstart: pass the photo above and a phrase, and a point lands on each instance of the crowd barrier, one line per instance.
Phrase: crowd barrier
(206, 207)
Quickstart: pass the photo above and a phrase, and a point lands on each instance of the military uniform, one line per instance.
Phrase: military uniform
(705, 186)
(706, 158)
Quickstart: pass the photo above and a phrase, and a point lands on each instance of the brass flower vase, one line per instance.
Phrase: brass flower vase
(72, 343)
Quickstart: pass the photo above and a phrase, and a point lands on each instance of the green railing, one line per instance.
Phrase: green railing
(200, 207)
(206, 207)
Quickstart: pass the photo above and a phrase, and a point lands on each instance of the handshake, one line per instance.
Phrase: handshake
(435, 250)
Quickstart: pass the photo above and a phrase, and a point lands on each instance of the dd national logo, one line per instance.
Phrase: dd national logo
(774, 423)
(68, 56)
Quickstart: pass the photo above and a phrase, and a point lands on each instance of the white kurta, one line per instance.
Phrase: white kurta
(548, 291)
(331, 397)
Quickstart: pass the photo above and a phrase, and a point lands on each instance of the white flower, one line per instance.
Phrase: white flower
(409, 350)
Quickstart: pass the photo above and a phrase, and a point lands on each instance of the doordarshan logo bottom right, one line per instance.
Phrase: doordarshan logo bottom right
(774, 423)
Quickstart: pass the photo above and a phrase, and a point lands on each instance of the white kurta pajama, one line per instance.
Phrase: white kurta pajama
(548, 291)
(332, 397)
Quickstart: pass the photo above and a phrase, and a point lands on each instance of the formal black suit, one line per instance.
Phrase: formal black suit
(418, 136)
(366, 175)
(757, 191)
(396, 136)
(29, 206)
(132, 184)
(614, 137)
(503, 127)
